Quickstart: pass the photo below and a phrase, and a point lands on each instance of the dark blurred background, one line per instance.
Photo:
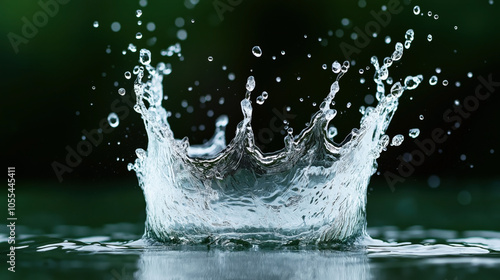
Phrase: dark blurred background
(48, 97)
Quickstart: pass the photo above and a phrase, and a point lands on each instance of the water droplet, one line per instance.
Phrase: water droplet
(336, 67)
(231, 76)
(429, 13)
(416, 10)
(96, 24)
(145, 57)
(433, 181)
(332, 132)
(278, 79)
(324, 66)
(397, 140)
(265, 95)
(455, 27)
(182, 34)
(113, 120)
(445, 82)
(260, 100)
(414, 132)
(469, 75)
(93, 87)
(138, 35)
(436, 16)
(490, 2)
(410, 35)
(433, 80)
(250, 83)
(438, 70)
(138, 13)
(413, 82)
(309, 55)
(121, 91)
(282, 52)
(128, 75)
(429, 37)
(397, 89)
(463, 157)
(210, 58)
(387, 39)
(361, 71)
(151, 26)
(115, 26)
(132, 47)
(179, 22)
(257, 52)
(421, 117)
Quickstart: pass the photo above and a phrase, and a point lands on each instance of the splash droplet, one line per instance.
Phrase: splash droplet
(138, 35)
(260, 100)
(145, 57)
(113, 120)
(416, 10)
(257, 51)
(412, 82)
(433, 80)
(336, 67)
(138, 13)
(121, 91)
(96, 24)
(250, 83)
(210, 58)
(397, 140)
(429, 37)
(128, 75)
(414, 132)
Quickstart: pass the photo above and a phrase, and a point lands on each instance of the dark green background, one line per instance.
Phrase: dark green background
(50, 79)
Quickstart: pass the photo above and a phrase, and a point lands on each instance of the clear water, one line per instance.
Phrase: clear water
(312, 191)
(412, 254)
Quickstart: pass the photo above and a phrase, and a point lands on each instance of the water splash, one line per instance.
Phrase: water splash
(313, 190)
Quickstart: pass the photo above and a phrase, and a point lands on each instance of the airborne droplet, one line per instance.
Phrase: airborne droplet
(113, 120)
(336, 67)
(257, 52)
(414, 132)
(145, 57)
(397, 140)
(416, 10)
